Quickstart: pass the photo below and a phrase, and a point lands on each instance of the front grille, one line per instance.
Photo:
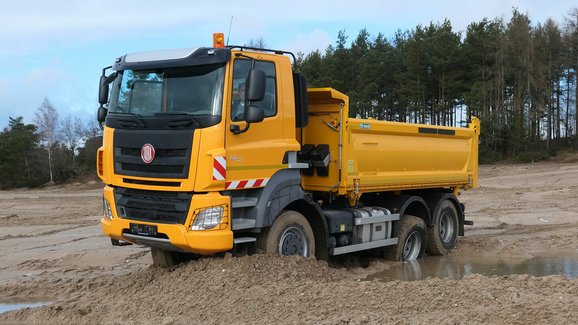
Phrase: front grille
(150, 169)
(172, 153)
(153, 206)
(158, 152)
(151, 183)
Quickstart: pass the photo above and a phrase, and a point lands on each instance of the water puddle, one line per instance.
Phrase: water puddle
(456, 267)
(4, 307)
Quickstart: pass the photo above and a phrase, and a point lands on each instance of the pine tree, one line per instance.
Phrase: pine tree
(16, 145)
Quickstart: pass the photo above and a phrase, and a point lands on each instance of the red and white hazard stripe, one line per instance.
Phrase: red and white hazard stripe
(250, 183)
(219, 168)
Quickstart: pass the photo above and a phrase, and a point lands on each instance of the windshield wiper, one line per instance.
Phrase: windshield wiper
(181, 121)
(130, 120)
(172, 113)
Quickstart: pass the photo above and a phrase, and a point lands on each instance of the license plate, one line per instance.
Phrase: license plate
(146, 230)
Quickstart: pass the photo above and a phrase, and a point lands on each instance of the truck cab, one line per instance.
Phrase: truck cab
(183, 130)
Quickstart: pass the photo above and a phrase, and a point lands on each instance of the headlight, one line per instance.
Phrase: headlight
(208, 218)
(107, 209)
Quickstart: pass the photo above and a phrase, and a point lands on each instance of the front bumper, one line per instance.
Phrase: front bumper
(179, 236)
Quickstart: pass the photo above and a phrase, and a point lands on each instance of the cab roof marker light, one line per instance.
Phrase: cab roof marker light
(218, 40)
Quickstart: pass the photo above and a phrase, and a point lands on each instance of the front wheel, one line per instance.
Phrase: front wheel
(412, 240)
(443, 235)
(165, 258)
(290, 234)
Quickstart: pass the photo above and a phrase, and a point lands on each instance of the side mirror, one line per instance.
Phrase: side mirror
(101, 114)
(103, 87)
(103, 91)
(254, 114)
(255, 85)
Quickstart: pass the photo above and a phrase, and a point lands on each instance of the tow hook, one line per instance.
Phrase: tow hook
(116, 242)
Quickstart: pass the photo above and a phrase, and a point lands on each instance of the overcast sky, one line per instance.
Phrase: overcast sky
(57, 48)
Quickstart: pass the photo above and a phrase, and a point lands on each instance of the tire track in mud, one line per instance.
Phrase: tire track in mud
(46, 233)
(66, 242)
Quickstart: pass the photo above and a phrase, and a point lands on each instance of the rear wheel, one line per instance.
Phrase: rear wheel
(443, 235)
(411, 244)
(290, 234)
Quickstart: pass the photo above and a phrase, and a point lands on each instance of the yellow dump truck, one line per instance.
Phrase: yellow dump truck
(220, 149)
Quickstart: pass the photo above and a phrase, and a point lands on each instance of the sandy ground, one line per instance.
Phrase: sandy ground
(51, 249)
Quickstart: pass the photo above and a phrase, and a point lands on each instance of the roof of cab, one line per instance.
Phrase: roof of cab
(172, 58)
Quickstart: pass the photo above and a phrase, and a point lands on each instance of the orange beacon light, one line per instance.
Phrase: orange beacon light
(218, 40)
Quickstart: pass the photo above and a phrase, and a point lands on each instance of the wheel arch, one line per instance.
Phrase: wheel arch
(311, 211)
(407, 204)
(435, 201)
(282, 189)
(284, 192)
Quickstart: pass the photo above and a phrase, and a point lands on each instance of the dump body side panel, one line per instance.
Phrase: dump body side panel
(389, 155)
(373, 156)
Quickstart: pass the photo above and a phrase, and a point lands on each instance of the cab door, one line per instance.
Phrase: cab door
(255, 155)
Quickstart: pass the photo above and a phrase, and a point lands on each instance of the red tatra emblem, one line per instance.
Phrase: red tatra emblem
(147, 153)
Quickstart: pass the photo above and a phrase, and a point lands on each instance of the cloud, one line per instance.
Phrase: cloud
(30, 25)
(43, 76)
(22, 94)
(57, 48)
(308, 42)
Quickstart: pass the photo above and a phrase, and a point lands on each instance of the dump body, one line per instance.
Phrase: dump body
(368, 155)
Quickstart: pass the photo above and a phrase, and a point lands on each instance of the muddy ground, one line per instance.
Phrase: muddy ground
(51, 249)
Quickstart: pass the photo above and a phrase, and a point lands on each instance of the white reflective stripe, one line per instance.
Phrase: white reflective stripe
(222, 161)
(233, 185)
(217, 175)
(250, 183)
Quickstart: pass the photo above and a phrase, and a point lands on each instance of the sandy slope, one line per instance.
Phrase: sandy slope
(51, 249)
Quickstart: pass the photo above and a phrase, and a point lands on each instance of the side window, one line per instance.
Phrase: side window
(240, 72)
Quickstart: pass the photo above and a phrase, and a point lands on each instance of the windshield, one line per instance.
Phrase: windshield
(186, 90)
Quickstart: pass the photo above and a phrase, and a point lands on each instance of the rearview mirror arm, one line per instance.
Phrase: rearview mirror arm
(237, 130)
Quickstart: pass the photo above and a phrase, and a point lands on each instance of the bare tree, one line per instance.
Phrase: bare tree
(258, 43)
(71, 132)
(46, 119)
(92, 129)
(572, 39)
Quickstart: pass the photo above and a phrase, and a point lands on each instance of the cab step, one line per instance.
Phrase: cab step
(243, 202)
(242, 223)
(244, 240)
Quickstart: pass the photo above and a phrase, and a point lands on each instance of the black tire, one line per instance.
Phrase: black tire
(164, 258)
(443, 235)
(412, 240)
(290, 234)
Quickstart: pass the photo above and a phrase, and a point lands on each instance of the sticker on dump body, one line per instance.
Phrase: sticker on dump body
(364, 126)
(350, 166)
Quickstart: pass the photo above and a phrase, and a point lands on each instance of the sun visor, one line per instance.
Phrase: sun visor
(172, 58)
